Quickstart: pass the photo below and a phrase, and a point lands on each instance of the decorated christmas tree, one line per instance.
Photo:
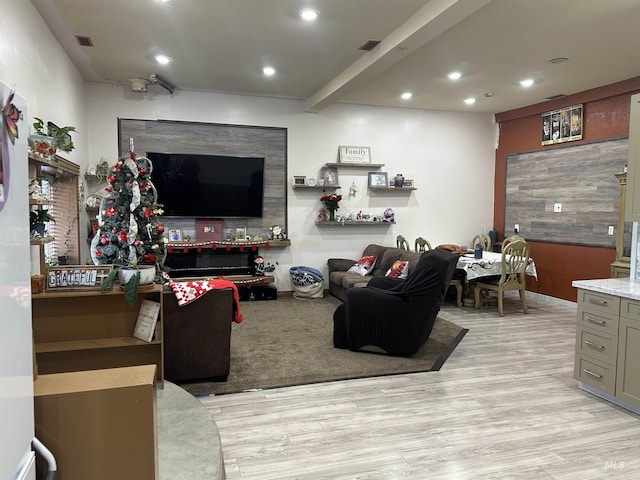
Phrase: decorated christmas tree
(129, 233)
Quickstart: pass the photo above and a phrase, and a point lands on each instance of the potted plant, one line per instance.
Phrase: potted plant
(38, 219)
(131, 275)
(49, 138)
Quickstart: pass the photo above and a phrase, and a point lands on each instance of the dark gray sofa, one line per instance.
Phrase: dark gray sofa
(340, 280)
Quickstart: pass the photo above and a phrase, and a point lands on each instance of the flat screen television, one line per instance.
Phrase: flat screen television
(195, 185)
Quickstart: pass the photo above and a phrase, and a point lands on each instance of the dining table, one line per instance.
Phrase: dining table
(489, 265)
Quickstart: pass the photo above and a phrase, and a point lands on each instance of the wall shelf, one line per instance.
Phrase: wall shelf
(355, 224)
(315, 187)
(392, 189)
(355, 165)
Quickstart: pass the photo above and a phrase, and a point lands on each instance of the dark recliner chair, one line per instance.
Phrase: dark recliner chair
(395, 316)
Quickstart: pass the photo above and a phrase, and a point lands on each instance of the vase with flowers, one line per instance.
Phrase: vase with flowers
(331, 204)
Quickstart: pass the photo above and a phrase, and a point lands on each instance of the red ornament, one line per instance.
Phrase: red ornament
(111, 211)
(141, 171)
(147, 212)
(136, 243)
(114, 230)
(111, 179)
(160, 228)
(143, 186)
(122, 236)
(118, 166)
(104, 240)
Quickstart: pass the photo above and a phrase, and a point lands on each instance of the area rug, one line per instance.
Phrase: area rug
(290, 342)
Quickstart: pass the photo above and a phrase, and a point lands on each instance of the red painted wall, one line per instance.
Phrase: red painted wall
(605, 116)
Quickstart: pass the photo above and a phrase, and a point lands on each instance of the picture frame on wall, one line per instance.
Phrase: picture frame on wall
(378, 180)
(175, 235)
(354, 154)
(562, 125)
(330, 176)
(241, 234)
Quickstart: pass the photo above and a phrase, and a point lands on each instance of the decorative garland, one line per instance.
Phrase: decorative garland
(185, 246)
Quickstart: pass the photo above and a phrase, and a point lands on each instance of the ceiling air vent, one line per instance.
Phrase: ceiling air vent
(84, 41)
(553, 97)
(369, 45)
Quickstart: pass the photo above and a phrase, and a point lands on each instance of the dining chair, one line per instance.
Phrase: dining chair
(512, 238)
(402, 243)
(422, 245)
(515, 258)
(483, 239)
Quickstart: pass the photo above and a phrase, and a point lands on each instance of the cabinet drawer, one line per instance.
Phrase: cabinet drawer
(599, 302)
(603, 322)
(596, 374)
(597, 345)
(630, 308)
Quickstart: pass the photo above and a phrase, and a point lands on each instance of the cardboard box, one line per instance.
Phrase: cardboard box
(99, 424)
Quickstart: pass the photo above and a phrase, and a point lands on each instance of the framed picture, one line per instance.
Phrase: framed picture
(562, 125)
(175, 235)
(241, 234)
(299, 180)
(378, 180)
(349, 154)
(330, 176)
(76, 277)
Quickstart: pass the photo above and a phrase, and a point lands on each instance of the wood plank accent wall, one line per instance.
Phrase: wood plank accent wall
(606, 116)
(169, 136)
(581, 178)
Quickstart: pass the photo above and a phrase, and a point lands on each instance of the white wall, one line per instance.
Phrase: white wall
(449, 155)
(33, 63)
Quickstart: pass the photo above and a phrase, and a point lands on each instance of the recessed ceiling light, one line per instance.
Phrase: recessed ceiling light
(269, 71)
(470, 101)
(406, 95)
(526, 83)
(454, 75)
(308, 14)
(488, 94)
(163, 59)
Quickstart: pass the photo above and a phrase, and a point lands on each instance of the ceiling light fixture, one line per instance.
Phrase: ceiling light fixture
(559, 60)
(454, 75)
(470, 101)
(163, 59)
(269, 71)
(406, 95)
(308, 14)
(527, 82)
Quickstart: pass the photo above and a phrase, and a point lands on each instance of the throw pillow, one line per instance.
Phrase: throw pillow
(364, 266)
(399, 269)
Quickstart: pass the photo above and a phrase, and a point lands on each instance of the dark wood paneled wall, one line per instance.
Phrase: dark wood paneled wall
(606, 116)
(581, 178)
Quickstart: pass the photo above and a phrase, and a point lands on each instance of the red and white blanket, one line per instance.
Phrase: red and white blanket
(187, 292)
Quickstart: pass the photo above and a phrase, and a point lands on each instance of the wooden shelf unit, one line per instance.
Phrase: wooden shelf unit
(88, 330)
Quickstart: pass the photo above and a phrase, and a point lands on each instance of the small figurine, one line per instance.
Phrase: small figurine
(389, 216)
(35, 191)
(258, 266)
(359, 216)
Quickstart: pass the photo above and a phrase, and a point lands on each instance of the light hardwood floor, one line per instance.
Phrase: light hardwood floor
(504, 405)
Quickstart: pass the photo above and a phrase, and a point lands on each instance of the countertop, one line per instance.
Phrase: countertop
(622, 287)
